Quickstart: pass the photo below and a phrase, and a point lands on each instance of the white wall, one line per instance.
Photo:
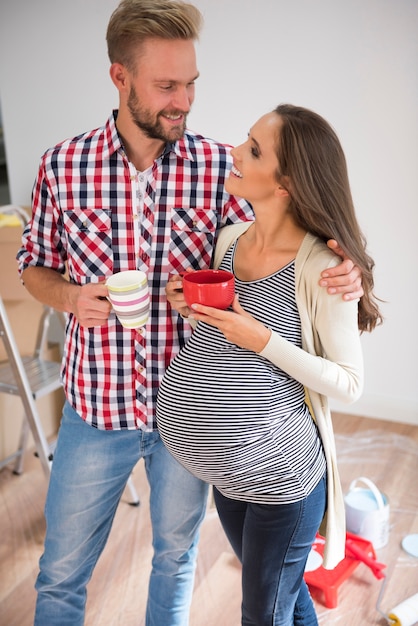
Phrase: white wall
(354, 62)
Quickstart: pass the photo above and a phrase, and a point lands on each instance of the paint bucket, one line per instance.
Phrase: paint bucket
(367, 512)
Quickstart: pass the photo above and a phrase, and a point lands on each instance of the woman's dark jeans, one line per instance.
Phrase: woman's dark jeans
(273, 543)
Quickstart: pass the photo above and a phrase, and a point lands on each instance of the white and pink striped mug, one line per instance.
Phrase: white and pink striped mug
(129, 296)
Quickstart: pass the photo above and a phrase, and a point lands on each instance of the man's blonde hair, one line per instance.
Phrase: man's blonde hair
(134, 21)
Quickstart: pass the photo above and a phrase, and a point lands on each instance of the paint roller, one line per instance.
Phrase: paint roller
(404, 614)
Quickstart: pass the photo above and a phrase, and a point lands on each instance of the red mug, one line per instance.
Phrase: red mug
(214, 288)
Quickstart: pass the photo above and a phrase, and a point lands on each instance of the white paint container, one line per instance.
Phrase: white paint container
(367, 512)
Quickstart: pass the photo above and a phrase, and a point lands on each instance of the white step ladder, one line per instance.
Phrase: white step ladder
(29, 378)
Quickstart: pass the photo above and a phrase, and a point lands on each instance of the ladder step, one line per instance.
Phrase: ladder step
(43, 377)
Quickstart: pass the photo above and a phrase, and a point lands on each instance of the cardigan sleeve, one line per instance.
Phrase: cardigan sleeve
(339, 373)
(331, 360)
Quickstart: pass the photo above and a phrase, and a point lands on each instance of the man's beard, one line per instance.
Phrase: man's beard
(151, 127)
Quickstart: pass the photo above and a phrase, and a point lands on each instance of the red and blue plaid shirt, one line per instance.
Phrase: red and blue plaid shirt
(88, 218)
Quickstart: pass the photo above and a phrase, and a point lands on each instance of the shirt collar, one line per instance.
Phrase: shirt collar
(182, 148)
(113, 143)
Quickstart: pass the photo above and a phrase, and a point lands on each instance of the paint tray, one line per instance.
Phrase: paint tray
(328, 581)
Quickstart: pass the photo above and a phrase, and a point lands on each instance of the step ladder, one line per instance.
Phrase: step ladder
(30, 378)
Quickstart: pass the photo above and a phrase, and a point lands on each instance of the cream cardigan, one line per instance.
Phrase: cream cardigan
(330, 363)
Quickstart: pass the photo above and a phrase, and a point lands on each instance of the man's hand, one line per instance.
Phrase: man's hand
(89, 304)
(344, 278)
(175, 296)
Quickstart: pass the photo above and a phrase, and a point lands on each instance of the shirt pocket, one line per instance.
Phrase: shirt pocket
(89, 235)
(192, 236)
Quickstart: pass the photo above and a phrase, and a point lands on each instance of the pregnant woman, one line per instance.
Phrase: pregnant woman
(244, 405)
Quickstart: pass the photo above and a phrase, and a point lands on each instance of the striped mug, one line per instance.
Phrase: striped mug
(129, 297)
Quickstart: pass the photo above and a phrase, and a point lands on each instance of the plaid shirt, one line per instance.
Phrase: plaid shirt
(88, 218)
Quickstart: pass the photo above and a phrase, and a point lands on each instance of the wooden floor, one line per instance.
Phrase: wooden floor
(385, 452)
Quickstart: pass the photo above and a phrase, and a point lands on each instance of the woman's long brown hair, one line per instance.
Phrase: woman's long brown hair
(312, 167)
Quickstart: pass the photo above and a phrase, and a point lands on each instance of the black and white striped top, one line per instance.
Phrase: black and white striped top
(233, 418)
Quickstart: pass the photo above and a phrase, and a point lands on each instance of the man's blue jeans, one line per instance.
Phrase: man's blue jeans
(273, 543)
(89, 473)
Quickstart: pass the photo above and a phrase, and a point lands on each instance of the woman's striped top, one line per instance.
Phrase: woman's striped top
(233, 418)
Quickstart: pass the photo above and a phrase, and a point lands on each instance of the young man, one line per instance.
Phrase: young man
(139, 193)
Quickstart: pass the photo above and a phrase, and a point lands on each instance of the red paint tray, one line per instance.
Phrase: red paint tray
(329, 580)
